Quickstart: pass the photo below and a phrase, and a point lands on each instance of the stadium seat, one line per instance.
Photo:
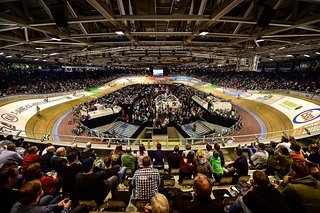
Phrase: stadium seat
(226, 181)
(170, 182)
(187, 182)
(244, 179)
(93, 206)
(174, 171)
(140, 204)
(115, 205)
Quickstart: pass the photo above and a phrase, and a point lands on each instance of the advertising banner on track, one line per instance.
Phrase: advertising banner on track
(121, 81)
(299, 111)
(268, 99)
(180, 78)
(14, 116)
(235, 93)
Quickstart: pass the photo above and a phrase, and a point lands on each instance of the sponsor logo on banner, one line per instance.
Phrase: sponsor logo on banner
(290, 105)
(237, 94)
(245, 95)
(265, 97)
(307, 116)
(180, 78)
(9, 117)
(28, 106)
(121, 81)
(8, 126)
(79, 95)
(236, 90)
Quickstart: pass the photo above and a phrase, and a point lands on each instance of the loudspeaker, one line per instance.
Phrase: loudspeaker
(59, 16)
(265, 17)
(150, 71)
(165, 71)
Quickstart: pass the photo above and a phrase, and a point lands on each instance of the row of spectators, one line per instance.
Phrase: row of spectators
(41, 175)
(300, 81)
(35, 82)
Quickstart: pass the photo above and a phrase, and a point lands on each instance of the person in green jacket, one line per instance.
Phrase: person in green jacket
(279, 163)
(215, 162)
(301, 191)
(129, 160)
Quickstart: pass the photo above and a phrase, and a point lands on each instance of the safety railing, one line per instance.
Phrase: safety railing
(226, 140)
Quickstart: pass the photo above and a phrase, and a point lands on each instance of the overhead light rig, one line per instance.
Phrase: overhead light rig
(121, 49)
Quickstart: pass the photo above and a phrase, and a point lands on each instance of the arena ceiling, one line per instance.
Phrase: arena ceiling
(133, 32)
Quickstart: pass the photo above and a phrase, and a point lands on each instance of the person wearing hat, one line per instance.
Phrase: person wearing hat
(91, 185)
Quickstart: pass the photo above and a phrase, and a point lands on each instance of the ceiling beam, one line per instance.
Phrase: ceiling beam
(227, 19)
(217, 13)
(46, 8)
(246, 14)
(9, 28)
(20, 22)
(26, 34)
(122, 10)
(131, 13)
(223, 35)
(190, 11)
(201, 10)
(11, 38)
(309, 28)
(74, 15)
(163, 17)
(93, 35)
(291, 36)
(106, 12)
(170, 13)
(274, 30)
(9, 46)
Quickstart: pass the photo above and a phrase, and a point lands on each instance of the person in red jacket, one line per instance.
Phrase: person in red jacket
(49, 182)
(31, 157)
(187, 167)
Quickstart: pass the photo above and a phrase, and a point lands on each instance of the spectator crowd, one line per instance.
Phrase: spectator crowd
(60, 179)
(36, 82)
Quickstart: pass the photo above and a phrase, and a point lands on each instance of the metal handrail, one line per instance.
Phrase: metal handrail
(228, 140)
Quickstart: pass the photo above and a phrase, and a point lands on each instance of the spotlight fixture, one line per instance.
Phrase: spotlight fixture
(39, 48)
(53, 53)
(318, 53)
(9, 56)
(119, 32)
(289, 55)
(203, 33)
(281, 48)
(56, 38)
(1, 53)
(259, 40)
(306, 55)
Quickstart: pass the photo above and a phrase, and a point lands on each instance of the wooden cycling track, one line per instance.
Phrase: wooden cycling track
(274, 120)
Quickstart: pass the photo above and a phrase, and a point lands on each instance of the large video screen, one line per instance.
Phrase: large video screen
(157, 72)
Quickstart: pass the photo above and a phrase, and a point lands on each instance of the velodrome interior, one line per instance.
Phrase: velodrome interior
(257, 60)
